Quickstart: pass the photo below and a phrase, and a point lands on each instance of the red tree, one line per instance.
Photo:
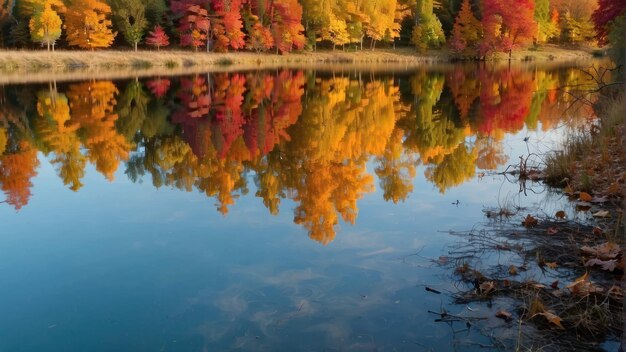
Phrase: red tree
(158, 38)
(507, 27)
(607, 11)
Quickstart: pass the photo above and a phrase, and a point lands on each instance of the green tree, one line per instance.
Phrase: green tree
(130, 18)
(428, 32)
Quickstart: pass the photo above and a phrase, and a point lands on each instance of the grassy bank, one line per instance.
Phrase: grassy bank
(23, 66)
(594, 160)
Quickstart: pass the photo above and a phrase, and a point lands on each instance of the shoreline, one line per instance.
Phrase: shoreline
(30, 66)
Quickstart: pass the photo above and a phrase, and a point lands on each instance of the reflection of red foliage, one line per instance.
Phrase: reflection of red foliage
(227, 120)
(159, 86)
(16, 171)
(505, 100)
(277, 105)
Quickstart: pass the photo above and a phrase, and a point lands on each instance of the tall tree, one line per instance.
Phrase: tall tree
(467, 31)
(507, 27)
(158, 38)
(88, 25)
(130, 19)
(45, 26)
(428, 32)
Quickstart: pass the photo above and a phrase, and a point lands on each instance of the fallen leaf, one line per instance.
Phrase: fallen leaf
(512, 270)
(585, 197)
(582, 286)
(602, 214)
(608, 265)
(552, 319)
(560, 215)
(598, 231)
(605, 251)
(552, 265)
(503, 314)
(616, 292)
(486, 287)
(552, 231)
(555, 284)
(530, 221)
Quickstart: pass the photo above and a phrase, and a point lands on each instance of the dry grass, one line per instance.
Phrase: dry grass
(29, 66)
(593, 161)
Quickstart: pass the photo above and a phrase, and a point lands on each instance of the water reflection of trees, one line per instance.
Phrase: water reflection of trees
(303, 136)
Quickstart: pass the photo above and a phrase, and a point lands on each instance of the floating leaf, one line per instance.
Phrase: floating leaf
(585, 197)
(552, 265)
(512, 270)
(555, 284)
(503, 314)
(486, 287)
(560, 215)
(530, 221)
(582, 286)
(602, 214)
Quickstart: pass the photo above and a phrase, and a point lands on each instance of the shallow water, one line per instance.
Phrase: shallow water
(258, 210)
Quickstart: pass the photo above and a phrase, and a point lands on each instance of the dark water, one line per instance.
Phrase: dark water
(257, 210)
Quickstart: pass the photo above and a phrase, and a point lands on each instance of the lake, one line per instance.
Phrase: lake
(290, 210)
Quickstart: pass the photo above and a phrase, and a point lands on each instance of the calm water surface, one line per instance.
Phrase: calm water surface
(256, 210)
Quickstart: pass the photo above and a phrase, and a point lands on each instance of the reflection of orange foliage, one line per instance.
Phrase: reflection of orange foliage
(16, 171)
(92, 106)
(465, 88)
(328, 190)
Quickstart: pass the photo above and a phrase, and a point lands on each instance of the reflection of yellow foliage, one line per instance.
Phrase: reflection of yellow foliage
(60, 137)
(3, 140)
(454, 169)
(396, 170)
(92, 106)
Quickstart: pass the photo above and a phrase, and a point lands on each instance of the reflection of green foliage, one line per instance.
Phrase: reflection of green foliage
(132, 109)
(539, 97)
(157, 123)
(454, 169)
(396, 170)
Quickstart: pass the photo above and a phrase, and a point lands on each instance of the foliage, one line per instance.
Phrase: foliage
(45, 26)
(158, 38)
(467, 31)
(87, 24)
(130, 17)
(507, 27)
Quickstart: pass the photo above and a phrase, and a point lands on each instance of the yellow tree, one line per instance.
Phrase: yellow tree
(87, 24)
(45, 26)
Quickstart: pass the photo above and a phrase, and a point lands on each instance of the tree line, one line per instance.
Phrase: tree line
(303, 136)
(470, 27)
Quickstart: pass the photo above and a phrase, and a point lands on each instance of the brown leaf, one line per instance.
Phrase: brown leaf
(486, 287)
(552, 265)
(503, 314)
(552, 319)
(608, 265)
(560, 215)
(582, 286)
(585, 197)
(555, 284)
(598, 231)
(602, 214)
(512, 270)
(605, 251)
(552, 231)
(530, 221)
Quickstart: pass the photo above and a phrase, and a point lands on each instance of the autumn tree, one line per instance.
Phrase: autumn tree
(45, 26)
(193, 23)
(158, 38)
(547, 28)
(466, 32)
(507, 27)
(427, 32)
(87, 24)
(130, 18)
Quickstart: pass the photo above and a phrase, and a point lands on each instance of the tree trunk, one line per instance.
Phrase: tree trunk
(135, 46)
(48, 45)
